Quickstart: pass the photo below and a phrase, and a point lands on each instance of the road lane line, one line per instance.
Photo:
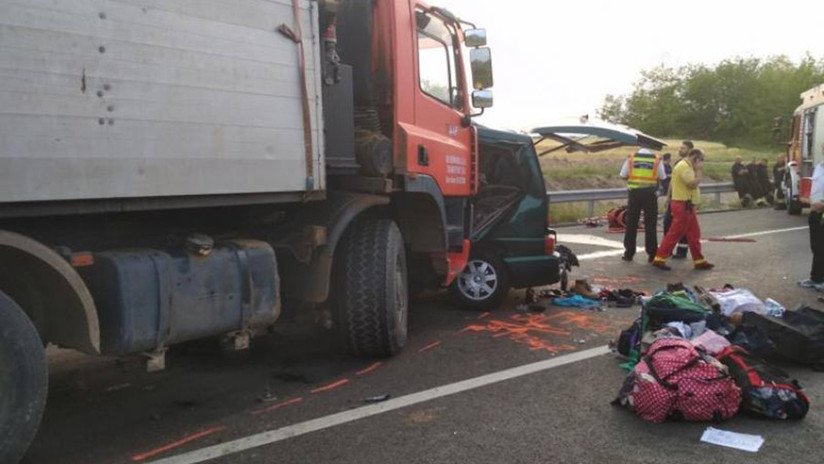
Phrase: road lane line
(607, 253)
(276, 435)
(768, 232)
(588, 239)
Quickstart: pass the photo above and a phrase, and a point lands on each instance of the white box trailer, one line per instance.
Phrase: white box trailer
(150, 98)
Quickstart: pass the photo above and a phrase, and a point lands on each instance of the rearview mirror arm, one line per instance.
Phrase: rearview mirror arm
(466, 121)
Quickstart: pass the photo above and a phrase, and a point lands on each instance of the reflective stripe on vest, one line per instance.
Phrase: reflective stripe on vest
(643, 171)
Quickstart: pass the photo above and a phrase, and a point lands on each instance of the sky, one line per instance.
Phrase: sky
(556, 60)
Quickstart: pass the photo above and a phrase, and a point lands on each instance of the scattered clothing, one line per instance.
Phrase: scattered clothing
(710, 342)
(739, 300)
(576, 301)
(568, 259)
(620, 298)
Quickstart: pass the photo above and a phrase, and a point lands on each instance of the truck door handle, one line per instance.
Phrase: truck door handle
(423, 156)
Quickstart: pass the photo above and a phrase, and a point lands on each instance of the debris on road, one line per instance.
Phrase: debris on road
(696, 355)
(117, 387)
(620, 298)
(376, 399)
(741, 441)
(577, 301)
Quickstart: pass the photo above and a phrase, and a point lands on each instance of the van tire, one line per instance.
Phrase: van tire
(24, 381)
(478, 295)
(370, 289)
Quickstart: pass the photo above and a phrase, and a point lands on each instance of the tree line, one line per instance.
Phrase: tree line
(740, 101)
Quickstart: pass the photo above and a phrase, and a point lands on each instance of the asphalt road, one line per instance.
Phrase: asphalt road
(296, 380)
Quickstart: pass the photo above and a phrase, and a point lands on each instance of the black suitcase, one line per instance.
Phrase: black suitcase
(798, 336)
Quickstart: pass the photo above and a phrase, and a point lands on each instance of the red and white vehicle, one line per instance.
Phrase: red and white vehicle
(805, 150)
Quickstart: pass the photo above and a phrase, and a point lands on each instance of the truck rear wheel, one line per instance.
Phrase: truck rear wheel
(371, 296)
(23, 380)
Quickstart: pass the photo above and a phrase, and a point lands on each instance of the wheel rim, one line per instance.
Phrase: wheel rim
(478, 281)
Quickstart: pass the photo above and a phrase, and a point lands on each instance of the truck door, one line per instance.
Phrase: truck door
(439, 145)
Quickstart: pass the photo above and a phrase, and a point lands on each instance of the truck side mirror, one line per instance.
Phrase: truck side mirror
(482, 99)
(475, 37)
(480, 60)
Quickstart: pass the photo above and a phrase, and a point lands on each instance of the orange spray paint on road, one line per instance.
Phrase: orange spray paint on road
(278, 405)
(176, 444)
(330, 386)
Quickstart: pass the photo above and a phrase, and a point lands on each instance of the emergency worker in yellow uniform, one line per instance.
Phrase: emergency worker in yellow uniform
(642, 171)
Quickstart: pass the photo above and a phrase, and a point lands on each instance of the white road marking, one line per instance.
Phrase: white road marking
(604, 254)
(607, 253)
(768, 232)
(276, 435)
(583, 239)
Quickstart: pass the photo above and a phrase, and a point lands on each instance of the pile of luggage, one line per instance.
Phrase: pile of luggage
(702, 355)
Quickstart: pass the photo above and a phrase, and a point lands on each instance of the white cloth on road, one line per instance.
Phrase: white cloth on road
(739, 300)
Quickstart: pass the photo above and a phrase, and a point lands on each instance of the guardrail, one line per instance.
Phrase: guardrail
(591, 196)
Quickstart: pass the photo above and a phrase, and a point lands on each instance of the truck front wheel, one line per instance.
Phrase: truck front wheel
(370, 292)
(23, 380)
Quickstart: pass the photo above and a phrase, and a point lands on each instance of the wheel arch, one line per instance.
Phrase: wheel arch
(307, 278)
(50, 292)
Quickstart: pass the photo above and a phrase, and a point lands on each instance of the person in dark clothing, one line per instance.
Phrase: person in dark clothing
(816, 280)
(682, 248)
(764, 180)
(779, 170)
(741, 181)
(755, 186)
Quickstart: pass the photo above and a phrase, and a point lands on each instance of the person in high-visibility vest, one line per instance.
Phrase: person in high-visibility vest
(642, 171)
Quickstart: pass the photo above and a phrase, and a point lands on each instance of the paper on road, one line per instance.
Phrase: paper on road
(735, 440)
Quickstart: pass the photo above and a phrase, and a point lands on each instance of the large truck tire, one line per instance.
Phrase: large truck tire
(23, 381)
(371, 296)
(482, 285)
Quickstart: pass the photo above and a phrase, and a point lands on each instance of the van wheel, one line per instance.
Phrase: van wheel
(370, 288)
(483, 283)
(23, 380)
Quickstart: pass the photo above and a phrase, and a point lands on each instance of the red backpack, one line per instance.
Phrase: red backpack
(768, 391)
(674, 380)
